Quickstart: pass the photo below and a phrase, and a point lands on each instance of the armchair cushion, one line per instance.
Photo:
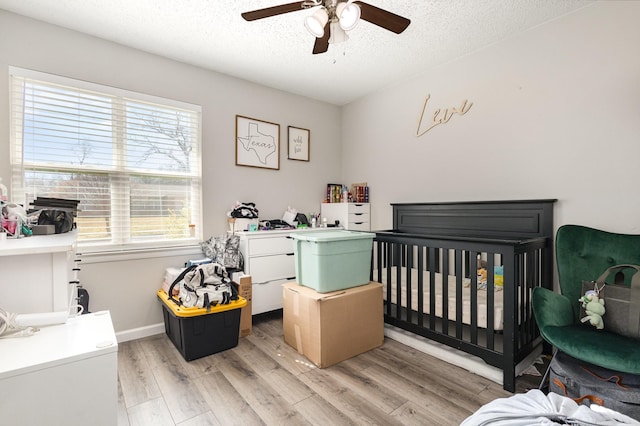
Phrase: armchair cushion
(551, 309)
(597, 347)
(554, 316)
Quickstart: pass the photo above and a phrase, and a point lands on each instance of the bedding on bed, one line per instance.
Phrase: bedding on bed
(451, 297)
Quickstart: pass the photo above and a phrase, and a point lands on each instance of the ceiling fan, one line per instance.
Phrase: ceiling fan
(333, 18)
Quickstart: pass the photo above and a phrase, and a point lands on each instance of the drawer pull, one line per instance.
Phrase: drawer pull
(291, 278)
(289, 237)
(358, 214)
(358, 223)
(290, 254)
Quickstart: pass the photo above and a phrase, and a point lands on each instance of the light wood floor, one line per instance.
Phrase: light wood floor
(265, 381)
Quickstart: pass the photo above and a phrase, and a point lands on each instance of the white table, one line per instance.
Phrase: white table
(63, 375)
(35, 273)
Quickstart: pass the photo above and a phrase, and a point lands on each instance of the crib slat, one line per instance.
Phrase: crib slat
(408, 275)
(458, 268)
(445, 291)
(378, 260)
(389, 247)
(420, 286)
(536, 283)
(431, 266)
(525, 283)
(474, 299)
(398, 250)
(490, 301)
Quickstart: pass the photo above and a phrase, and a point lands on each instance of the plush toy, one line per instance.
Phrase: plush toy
(482, 275)
(594, 308)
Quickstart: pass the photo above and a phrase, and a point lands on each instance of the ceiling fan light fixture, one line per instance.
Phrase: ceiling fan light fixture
(331, 19)
(316, 22)
(349, 15)
(338, 35)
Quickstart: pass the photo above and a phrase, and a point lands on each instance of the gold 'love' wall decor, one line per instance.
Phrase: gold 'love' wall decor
(440, 116)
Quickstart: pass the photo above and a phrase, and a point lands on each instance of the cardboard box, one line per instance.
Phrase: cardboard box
(244, 290)
(330, 327)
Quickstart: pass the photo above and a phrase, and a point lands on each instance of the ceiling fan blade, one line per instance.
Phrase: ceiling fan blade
(272, 11)
(383, 18)
(322, 43)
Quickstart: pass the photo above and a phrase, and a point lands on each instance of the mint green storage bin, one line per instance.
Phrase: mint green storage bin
(332, 260)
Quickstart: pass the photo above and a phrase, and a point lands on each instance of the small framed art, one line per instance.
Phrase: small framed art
(298, 143)
(257, 143)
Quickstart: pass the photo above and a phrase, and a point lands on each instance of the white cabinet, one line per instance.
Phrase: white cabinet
(36, 273)
(269, 259)
(352, 216)
(64, 374)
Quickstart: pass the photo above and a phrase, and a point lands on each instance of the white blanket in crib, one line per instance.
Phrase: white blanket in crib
(451, 297)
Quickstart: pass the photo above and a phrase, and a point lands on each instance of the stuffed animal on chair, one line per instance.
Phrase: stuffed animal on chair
(594, 308)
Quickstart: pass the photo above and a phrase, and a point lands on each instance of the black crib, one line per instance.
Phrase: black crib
(445, 241)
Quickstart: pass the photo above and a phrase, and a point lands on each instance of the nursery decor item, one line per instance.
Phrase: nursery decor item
(257, 143)
(298, 143)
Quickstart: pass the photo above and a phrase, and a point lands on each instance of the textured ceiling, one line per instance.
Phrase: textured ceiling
(276, 51)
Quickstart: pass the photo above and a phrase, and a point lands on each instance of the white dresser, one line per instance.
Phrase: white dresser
(269, 259)
(38, 273)
(64, 374)
(352, 216)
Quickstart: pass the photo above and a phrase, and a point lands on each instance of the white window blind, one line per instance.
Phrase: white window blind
(131, 160)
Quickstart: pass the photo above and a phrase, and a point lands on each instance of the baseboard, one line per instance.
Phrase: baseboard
(139, 333)
(451, 355)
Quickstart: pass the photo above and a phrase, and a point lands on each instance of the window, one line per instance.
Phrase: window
(131, 160)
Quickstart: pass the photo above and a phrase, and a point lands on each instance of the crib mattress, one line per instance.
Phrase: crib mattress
(498, 298)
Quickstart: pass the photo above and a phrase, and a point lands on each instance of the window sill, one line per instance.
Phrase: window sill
(91, 255)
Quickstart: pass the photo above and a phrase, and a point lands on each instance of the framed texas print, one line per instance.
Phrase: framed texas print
(257, 143)
(298, 143)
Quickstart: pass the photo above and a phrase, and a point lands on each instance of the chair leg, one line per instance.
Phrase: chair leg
(544, 383)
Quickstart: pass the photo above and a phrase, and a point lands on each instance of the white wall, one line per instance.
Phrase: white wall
(556, 114)
(128, 288)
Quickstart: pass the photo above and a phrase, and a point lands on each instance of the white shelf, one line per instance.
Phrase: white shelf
(38, 244)
(36, 273)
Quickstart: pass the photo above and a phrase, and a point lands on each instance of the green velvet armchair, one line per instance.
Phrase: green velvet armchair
(584, 253)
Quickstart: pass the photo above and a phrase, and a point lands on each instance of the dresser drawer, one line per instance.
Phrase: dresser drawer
(359, 226)
(358, 208)
(269, 268)
(271, 245)
(266, 296)
(358, 217)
